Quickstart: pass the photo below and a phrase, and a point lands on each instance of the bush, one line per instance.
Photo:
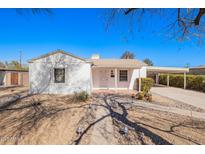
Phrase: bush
(146, 85)
(80, 96)
(194, 82)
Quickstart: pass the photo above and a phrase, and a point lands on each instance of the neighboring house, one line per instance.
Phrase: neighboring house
(13, 77)
(63, 73)
(200, 70)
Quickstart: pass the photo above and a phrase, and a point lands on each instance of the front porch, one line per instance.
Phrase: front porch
(116, 79)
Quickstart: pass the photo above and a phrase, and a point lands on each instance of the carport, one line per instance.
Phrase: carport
(151, 70)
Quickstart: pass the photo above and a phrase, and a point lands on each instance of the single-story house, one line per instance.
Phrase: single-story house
(60, 72)
(13, 77)
(200, 70)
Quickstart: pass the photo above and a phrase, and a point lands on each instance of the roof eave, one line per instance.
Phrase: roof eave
(55, 52)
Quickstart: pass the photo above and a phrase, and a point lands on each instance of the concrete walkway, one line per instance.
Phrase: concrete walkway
(102, 133)
(186, 96)
(170, 109)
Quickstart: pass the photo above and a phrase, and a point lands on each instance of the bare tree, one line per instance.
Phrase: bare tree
(35, 11)
(180, 23)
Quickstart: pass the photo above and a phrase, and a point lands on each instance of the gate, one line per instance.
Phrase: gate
(14, 78)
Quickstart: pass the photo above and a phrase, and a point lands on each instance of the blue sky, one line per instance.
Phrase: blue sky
(83, 33)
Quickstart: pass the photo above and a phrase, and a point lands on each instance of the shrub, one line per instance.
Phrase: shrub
(194, 82)
(146, 85)
(80, 96)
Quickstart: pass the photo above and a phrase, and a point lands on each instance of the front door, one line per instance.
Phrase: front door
(14, 78)
(104, 77)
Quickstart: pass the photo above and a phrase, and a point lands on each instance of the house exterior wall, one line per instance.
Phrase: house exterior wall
(7, 79)
(26, 79)
(133, 74)
(96, 76)
(142, 73)
(77, 75)
(23, 78)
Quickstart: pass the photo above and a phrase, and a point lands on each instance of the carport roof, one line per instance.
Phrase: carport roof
(167, 69)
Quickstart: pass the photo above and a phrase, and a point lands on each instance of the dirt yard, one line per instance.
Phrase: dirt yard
(155, 127)
(41, 119)
(7, 91)
(103, 119)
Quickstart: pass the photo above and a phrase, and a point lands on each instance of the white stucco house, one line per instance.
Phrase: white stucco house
(60, 72)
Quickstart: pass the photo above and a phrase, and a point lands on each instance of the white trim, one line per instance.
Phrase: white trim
(167, 69)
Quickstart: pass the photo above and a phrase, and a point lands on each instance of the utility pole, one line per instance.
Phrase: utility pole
(20, 62)
(20, 58)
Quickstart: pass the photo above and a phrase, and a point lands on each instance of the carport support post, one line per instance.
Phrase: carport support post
(157, 78)
(167, 80)
(184, 80)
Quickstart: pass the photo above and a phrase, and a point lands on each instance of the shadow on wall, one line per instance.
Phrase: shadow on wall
(42, 78)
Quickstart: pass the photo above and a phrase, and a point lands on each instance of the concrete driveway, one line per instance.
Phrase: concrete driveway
(186, 96)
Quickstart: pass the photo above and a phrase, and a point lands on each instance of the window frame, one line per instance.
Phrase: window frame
(120, 76)
(56, 81)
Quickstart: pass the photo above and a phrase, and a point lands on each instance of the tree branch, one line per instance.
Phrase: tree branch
(129, 10)
(198, 17)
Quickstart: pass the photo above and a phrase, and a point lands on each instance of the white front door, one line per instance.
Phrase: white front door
(104, 77)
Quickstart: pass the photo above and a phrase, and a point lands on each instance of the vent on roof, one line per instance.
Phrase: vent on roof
(95, 56)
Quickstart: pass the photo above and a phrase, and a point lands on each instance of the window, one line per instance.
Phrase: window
(123, 75)
(112, 75)
(59, 74)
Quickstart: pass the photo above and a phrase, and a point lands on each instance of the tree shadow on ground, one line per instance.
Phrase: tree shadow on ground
(18, 119)
(156, 139)
(137, 126)
(123, 119)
